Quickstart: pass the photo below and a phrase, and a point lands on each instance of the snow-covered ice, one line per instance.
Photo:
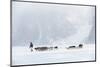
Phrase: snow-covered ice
(23, 55)
(52, 25)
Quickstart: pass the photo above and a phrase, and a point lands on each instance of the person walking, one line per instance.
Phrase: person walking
(31, 46)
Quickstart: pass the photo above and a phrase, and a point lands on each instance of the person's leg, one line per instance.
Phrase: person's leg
(31, 49)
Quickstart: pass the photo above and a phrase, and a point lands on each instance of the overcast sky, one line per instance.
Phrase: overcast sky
(52, 24)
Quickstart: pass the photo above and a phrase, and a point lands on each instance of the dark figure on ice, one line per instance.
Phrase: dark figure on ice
(55, 47)
(41, 48)
(71, 47)
(31, 46)
(80, 45)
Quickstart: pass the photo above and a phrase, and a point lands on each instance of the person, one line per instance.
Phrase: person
(80, 45)
(31, 46)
